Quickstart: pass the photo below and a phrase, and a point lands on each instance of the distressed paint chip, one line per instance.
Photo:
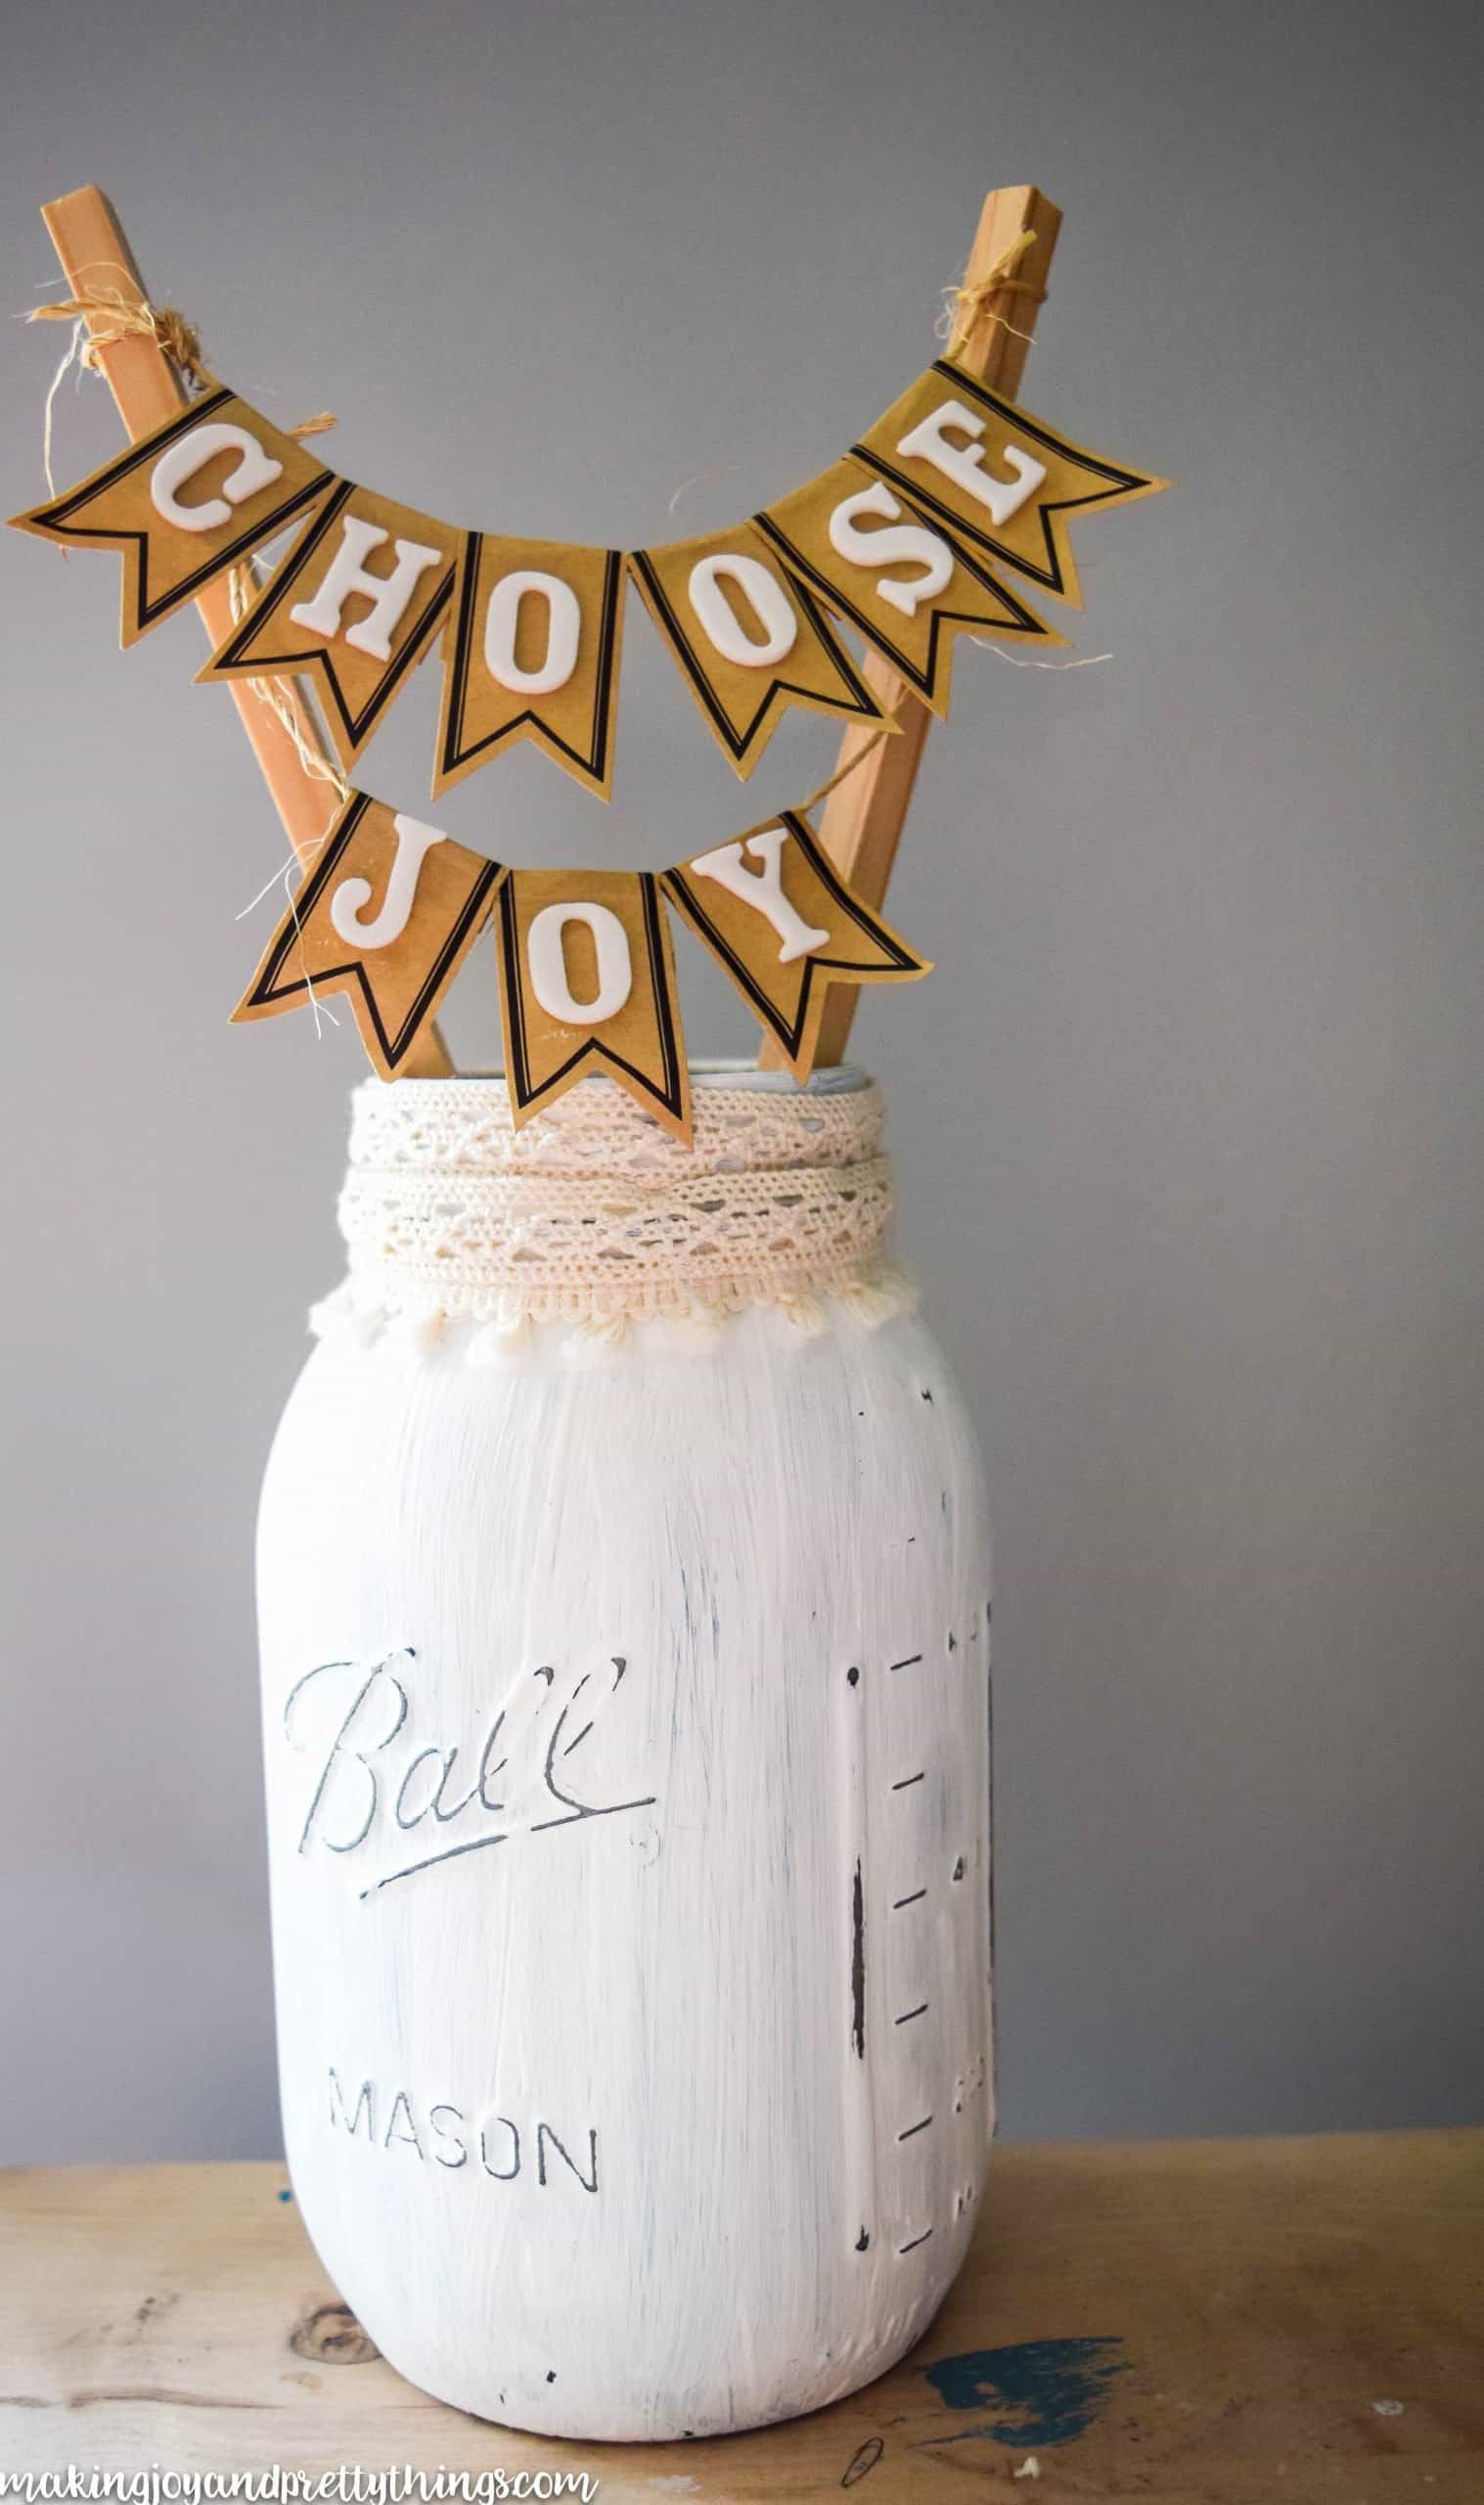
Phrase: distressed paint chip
(1047, 2391)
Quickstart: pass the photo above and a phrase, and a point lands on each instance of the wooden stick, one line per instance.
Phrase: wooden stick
(863, 820)
(95, 256)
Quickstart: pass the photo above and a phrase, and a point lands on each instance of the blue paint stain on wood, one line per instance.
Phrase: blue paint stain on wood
(1042, 2391)
(285, 2196)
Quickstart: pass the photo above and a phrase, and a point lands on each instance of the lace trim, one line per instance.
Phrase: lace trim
(592, 1217)
(441, 1126)
(499, 1324)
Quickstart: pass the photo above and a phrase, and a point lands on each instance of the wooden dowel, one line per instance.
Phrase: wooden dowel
(95, 256)
(863, 821)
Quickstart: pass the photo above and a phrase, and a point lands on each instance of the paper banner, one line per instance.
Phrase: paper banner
(898, 538)
(356, 600)
(994, 475)
(184, 502)
(782, 923)
(901, 581)
(587, 984)
(386, 914)
(749, 640)
(532, 653)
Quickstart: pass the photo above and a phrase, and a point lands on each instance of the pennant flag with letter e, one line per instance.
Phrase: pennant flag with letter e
(386, 914)
(356, 600)
(749, 640)
(532, 653)
(996, 475)
(782, 923)
(903, 581)
(186, 502)
(587, 984)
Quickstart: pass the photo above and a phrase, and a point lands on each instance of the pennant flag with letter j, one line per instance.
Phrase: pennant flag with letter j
(387, 912)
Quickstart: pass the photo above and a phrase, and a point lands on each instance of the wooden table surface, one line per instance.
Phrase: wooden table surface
(1216, 2322)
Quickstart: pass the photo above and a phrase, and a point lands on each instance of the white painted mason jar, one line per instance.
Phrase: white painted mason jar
(623, 1576)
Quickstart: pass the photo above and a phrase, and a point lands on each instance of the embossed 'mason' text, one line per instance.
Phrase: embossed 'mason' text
(442, 2133)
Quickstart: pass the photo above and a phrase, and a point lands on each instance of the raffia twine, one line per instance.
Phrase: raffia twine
(964, 305)
(100, 316)
(284, 701)
(104, 316)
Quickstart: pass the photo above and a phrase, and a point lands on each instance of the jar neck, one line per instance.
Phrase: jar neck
(592, 1214)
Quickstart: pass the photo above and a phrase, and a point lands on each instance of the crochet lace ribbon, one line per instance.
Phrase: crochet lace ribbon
(594, 1215)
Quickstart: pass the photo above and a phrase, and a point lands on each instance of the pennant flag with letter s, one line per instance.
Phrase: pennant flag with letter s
(905, 582)
(996, 475)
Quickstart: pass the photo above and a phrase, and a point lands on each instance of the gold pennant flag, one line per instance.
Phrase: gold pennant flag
(532, 653)
(782, 923)
(186, 502)
(903, 581)
(355, 601)
(749, 639)
(996, 475)
(386, 914)
(587, 984)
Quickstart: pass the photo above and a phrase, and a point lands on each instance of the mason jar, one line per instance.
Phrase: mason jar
(623, 1586)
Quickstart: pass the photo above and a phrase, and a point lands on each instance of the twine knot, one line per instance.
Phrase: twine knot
(964, 305)
(179, 339)
(103, 315)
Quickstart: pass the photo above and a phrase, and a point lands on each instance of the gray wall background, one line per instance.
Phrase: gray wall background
(1199, 1213)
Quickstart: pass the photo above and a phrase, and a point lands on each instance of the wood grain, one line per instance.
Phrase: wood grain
(95, 255)
(1264, 2297)
(864, 819)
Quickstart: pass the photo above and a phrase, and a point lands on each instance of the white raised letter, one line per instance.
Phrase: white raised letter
(762, 887)
(389, 594)
(563, 627)
(763, 593)
(964, 463)
(873, 548)
(253, 471)
(351, 897)
(547, 964)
